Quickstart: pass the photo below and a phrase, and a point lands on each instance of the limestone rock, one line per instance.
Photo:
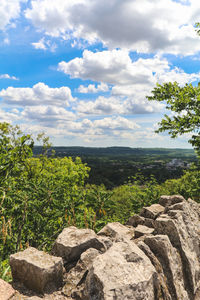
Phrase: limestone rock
(170, 260)
(123, 272)
(152, 212)
(106, 241)
(72, 242)
(6, 290)
(170, 200)
(136, 220)
(37, 270)
(75, 278)
(183, 229)
(116, 231)
(141, 230)
(161, 291)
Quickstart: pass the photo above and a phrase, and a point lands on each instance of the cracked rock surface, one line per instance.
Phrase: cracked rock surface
(155, 257)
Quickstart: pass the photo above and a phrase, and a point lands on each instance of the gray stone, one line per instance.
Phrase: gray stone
(183, 230)
(170, 200)
(116, 231)
(72, 242)
(161, 289)
(6, 290)
(107, 241)
(37, 270)
(136, 220)
(141, 230)
(75, 278)
(171, 263)
(152, 212)
(123, 272)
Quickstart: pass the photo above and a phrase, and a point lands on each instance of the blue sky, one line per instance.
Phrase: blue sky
(80, 70)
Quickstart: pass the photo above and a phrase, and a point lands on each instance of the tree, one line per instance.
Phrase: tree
(184, 103)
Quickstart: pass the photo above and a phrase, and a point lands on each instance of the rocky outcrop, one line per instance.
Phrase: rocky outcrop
(37, 270)
(123, 272)
(156, 256)
(6, 290)
(72, 242)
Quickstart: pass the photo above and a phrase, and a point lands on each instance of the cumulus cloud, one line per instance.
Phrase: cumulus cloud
(131, 81)
(116, 68)
(40, 93)
(9, 116)
(7, 76)
(9, 10)
(138, 25)
(91, 88)
(49, 115)
(101, 106)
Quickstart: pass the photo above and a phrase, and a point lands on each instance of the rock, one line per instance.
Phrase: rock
(170, 261)
(123, 272)
(6, 290)
(37, 270)
(106, 241)
(152, 212)
(116, 231)
(161, 290)
(136, 220)
(170, 200)
(183, 229)
(72, 242)
(141, 230)
(76, 277)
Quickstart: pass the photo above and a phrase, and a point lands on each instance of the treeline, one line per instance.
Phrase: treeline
(114, 166)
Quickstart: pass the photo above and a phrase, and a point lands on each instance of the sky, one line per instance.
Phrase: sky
(80, 70)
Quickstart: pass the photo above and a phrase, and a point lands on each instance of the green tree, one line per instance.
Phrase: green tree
(184, 103)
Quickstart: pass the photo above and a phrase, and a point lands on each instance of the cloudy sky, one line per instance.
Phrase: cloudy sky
(80, 70)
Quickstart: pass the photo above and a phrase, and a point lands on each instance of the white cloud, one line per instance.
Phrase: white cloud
(131, 81)
(43, 44)
(138, 25)
(91, 88)
(49, 115)
(7, 76)
(40, 44)
(9, 10)
(9, 116)
(40, 93)
(101, 106)
(111, 67)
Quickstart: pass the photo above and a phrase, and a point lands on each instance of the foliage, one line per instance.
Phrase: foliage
(184, 102)
(39, 196)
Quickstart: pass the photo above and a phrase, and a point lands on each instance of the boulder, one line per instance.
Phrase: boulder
(152, 212)
(123, 272)
(6, 290)
(72, 242)
(37, 270)
(170, 261)
(182, 226)
(161, 290)
(141, 230)
(116, 231)
(136, 220)
(170, 200)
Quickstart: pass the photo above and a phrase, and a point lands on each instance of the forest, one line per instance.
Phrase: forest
(41, 192)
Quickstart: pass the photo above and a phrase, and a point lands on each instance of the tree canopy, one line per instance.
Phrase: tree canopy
(184, 103)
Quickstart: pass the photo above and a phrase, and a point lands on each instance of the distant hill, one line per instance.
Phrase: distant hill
(113, 166)
(118, 151)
